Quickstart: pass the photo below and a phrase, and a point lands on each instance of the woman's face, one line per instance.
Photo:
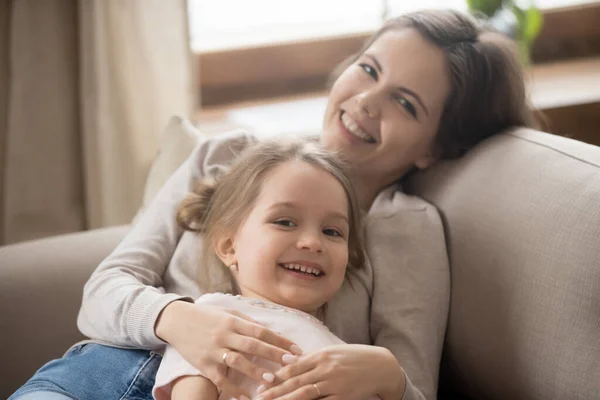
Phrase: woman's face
(384, 110)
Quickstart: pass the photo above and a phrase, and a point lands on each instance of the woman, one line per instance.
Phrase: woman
(427, 85)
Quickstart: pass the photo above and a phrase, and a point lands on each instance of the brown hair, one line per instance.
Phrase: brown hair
(219, 208)
(488, 92)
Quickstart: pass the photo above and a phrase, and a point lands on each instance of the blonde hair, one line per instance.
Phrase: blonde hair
(219, 208)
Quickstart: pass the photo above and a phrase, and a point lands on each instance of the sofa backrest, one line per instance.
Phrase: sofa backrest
(522, 219)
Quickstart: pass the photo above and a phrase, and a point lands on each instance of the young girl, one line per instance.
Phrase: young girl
(281, 228)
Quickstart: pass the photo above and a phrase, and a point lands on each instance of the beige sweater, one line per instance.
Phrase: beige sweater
(399, 301)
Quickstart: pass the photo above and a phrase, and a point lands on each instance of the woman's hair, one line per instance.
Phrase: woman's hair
(219, 208)
(488, 92)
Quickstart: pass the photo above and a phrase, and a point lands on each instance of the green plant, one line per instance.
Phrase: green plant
(521, 20)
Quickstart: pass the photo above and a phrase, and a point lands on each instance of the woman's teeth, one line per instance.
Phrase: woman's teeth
(354, 129)
(303, 268)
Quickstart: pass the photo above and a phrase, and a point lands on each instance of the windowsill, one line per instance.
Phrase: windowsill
(552, 86)
(565, 83)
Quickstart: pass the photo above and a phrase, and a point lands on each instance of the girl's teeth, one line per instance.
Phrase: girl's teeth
(354, 129)
(302, 268)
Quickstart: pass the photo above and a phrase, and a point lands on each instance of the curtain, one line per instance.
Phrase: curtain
(85, 89)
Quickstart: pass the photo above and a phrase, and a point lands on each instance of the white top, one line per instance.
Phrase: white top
(305, 330)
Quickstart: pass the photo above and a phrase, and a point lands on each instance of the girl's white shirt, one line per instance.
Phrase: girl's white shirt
(305, 330)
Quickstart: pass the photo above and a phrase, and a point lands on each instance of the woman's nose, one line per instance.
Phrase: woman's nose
(368, 104)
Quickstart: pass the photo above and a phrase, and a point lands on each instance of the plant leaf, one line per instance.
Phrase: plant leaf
(488, 7)
(534, 24)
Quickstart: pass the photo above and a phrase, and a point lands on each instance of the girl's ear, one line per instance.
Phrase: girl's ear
(225, 250)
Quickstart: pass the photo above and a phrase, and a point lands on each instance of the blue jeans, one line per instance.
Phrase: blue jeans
(93, 372)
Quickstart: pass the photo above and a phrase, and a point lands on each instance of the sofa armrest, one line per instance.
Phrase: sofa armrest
(41, 284)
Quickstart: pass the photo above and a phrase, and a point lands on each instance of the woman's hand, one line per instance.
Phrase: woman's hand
(348, 372)
(203, 335)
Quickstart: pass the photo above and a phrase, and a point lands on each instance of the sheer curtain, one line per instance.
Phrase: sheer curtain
(85, 90)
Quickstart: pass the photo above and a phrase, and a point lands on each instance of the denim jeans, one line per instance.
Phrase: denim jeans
(93, 372)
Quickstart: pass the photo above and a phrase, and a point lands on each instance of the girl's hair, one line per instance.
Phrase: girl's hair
(219, 208)
(488, 92)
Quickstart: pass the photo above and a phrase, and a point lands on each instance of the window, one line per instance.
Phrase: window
(264, 48)
(230, 24)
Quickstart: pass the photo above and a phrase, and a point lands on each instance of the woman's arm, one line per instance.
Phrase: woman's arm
(345, 371)
(124, 297)
(411, 292)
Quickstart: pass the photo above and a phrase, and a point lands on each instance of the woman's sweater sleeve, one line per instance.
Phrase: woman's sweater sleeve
(411, 292)
(124, 296)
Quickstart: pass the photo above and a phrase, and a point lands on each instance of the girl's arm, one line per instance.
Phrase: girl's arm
(178, 379)
(194, 388)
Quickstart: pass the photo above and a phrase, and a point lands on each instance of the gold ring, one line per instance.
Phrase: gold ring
(318, 391)
(224, 358)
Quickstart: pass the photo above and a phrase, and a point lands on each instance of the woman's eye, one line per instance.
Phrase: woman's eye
(369, 70)
(332, 232)
(407, 105)
(285, 222)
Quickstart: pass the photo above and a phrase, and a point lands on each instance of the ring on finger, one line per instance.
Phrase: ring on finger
(224, 358)
(318, 391)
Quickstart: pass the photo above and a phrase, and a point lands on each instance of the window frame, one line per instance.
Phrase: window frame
(283, 69)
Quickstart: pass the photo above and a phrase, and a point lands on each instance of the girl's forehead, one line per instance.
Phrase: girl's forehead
(301, 182)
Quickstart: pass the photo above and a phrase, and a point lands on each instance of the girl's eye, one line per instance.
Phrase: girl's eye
(408, 106)
(332, 232)
(285, 222)
(369, 70)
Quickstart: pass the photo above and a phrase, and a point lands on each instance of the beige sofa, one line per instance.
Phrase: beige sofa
(522, 216)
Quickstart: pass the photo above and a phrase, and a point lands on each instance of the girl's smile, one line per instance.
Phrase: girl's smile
(292, 249)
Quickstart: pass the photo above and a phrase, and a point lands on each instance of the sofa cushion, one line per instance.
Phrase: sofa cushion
(41, 284)
(522, 217)
(176, 144)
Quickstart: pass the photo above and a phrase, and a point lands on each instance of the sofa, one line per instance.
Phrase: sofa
(522, 220)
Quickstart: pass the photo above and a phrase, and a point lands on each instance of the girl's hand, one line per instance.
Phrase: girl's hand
(204, 334)
(348, 372)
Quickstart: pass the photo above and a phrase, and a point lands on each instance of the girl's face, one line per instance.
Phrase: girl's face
(292, 249)
(384, 109)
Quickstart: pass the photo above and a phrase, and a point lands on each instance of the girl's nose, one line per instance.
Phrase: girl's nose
(311, 242)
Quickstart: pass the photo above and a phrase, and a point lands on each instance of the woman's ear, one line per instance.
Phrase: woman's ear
(426, 161)
(225, 250)
(429, 159)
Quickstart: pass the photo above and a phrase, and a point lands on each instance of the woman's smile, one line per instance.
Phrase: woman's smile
(350, 127)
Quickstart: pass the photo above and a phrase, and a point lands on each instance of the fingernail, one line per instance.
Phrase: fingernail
(260, 389)
(269, 377)
(296, 350)
(244, 398)
(288, 358)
